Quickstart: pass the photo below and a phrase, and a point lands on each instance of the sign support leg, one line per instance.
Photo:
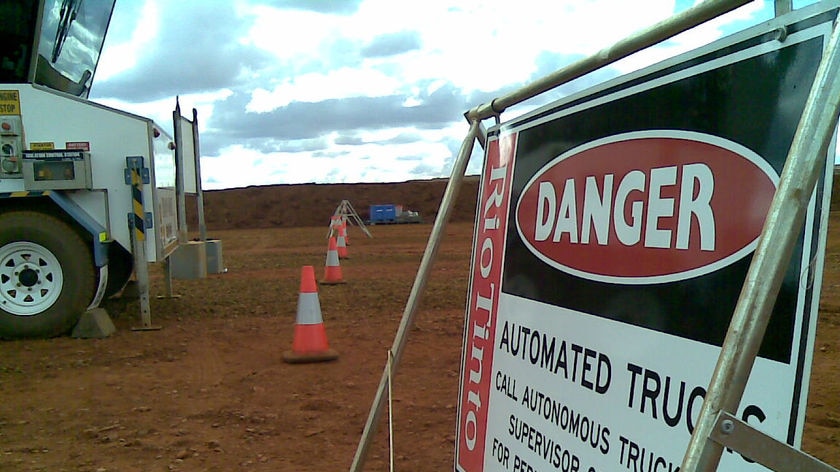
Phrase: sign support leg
(429, 255)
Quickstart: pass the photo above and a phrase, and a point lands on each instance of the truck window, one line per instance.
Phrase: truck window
(17, 34)
(70, 42)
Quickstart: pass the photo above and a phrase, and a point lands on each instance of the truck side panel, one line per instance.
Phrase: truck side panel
(114, 136)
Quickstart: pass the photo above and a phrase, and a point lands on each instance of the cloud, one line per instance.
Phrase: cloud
(199, 55)
(315, 87)
(318, 90)
(341, 7)
(349, 140)
(388, 137)
(302, 120)
(392, 44)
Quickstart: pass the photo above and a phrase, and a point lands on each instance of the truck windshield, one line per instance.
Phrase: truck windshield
(70, 42)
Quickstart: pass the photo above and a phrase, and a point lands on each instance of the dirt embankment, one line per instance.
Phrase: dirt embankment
(278, 206)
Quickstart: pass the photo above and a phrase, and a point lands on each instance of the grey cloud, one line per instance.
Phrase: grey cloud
(289, 127)
(403, 138)
(212, 142)
(195, 51)
(341, 7)
(392, 44)
(329, 154)
(302, 120)
(355, 140)
(423, 170)
(349, 140)
(338, 53)
(299, 145)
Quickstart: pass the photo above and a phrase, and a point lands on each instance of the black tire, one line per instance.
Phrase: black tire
(47, 277)
(120, 268)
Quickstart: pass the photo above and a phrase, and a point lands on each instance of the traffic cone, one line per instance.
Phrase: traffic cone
(341, 243)
(346, 233)
(310, 342)
(332, 270)
(335, 222)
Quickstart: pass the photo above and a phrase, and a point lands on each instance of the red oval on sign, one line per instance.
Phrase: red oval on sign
(647, 207)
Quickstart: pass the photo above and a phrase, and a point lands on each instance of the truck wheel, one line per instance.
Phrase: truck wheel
(46, 275)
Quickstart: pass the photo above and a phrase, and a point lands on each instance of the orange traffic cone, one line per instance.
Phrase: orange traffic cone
(346, 233)
(335, 222)
(310, 342)
(332, 270)
(341, 243)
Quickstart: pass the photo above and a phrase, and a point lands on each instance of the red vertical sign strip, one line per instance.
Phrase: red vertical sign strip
(486, 278)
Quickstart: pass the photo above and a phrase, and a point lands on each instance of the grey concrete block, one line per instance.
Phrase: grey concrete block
(215, 263)
(94, 323)
(189, 261)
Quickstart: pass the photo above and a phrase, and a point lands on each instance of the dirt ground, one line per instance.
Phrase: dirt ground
(209, 391)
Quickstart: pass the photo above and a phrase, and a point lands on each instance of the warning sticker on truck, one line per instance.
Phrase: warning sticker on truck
(9, 102)
(44, 146)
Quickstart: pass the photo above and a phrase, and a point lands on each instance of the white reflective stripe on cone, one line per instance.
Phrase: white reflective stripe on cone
(309, 309)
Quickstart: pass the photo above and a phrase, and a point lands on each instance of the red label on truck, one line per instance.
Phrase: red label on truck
(647, 207)
(78, 145)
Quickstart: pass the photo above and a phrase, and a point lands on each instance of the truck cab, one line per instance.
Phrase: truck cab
(88, 194)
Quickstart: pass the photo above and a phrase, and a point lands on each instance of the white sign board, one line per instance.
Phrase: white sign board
(614, 232)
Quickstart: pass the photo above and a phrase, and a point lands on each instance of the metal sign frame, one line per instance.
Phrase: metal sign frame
(346, 211)
(716, 428)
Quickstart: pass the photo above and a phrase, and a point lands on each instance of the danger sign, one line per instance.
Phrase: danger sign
(680, 190)
(614, 232)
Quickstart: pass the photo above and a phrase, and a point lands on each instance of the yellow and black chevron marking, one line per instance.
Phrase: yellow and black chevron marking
(138, 217)
(25, 193)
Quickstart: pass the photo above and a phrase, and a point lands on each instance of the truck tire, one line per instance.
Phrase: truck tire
(47, 276)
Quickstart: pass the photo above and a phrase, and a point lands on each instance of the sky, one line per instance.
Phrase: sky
(344, 91)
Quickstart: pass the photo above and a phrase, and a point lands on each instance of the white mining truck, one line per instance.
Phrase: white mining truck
(89, 195)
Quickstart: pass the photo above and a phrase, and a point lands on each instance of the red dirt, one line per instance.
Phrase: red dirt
(311, 204)
(210, 390)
